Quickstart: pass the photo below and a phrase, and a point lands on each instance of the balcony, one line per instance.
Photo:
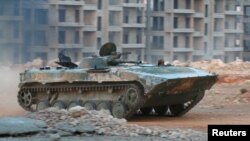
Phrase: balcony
(115, 8)
(197, 34)
(233, 30)
(183, 49)
(90, 28)
(182, 11)
(10, 18)
(70, 24)
(218, 34)
(134, 25)
(91, 7)
(231, 12)
(11, 41)
(218, 52)
(232, 49)
(218, 15)
(115, 28)
(66, 3)
(135, 5)
(133, 45)
(76, 46)
(157, 13)
(198, 15)
(89, 48)
(198, 52)
(183, 30)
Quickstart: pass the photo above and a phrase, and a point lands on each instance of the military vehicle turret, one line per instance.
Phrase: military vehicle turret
(107, 82)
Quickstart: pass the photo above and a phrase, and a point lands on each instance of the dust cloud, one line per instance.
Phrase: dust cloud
(35, 63)
(9, 79)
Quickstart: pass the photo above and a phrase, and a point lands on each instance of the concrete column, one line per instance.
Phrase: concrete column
(105, 22)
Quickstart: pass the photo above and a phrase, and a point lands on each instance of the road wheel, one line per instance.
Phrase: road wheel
(119, 110)
(131, 97)
(89, 105)
(103, 106)
(73, 104)
(25, 98)
(59, 104)
(41, 105)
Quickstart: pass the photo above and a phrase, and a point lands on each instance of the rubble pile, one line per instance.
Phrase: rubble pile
(233, 72)
(99, 122)
(218, 66)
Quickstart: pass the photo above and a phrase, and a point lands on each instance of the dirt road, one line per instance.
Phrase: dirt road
(223, 104)
(199, 118)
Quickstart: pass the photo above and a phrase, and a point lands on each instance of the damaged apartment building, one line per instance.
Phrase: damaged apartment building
(44, 27)
(192, 30)
(185, 30)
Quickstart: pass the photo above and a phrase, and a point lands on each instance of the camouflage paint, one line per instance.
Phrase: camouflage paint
(148, 76)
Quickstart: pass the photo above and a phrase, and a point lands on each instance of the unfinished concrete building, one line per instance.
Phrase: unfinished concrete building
(191, 30)
(246, 54)
(185, 30)
(10, 31)
(82, 26)
(36, 29)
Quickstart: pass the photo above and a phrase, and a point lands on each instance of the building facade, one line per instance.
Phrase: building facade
(246, 39)
(10, 31)
(191, 30)
(185, 30)
(83, 26)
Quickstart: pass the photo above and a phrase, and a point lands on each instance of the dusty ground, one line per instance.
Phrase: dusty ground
(90, 138)
(227, 102)
(216, 108)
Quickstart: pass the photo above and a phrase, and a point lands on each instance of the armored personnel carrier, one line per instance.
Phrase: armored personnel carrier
(107, 82)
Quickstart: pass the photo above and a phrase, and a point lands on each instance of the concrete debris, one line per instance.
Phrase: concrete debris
(78, 120)
(218, 66)
(20, 126)
(54, 137)
(82, 127)
(233, 72)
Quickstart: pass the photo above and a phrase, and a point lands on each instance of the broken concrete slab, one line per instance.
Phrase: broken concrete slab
(82, 127)
(20, 125)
